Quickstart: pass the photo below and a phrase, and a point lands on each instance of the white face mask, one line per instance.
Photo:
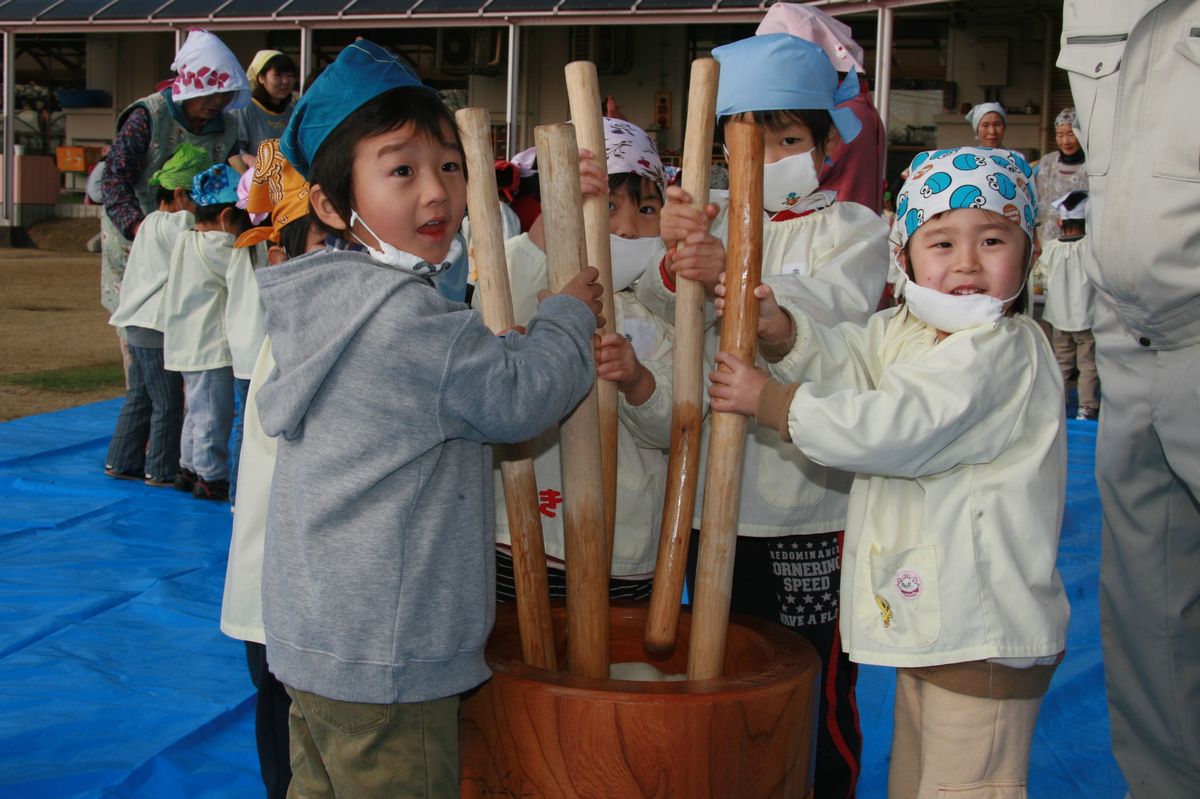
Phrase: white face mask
(951, 313)
(404, 261)
(632, 257)
(788, 181)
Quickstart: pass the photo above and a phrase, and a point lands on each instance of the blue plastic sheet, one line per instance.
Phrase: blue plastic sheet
(116, 682)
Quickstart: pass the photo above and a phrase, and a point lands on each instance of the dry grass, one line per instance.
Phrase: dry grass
(51, 319)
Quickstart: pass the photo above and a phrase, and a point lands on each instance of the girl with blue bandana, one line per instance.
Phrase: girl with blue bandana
(378, 563)
(832, 256)
(948, 409)
(195, 342)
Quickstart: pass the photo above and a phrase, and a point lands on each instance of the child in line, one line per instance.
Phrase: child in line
(195, 341)
(635, 189)
(378, 570)
(833, 256)
(145, 443)
(948, 410)
(277, 189)
(1070, 298)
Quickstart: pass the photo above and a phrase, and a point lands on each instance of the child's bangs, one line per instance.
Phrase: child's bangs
(632, 185)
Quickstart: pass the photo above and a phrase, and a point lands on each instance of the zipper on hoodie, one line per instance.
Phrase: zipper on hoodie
(1107, 38)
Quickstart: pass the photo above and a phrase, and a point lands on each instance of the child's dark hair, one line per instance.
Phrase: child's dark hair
(1074, 227)
(630, 184)
(333, 163)
(817, 120)
(293, 237)
(206, 214)
(163, 195)
(284, 65)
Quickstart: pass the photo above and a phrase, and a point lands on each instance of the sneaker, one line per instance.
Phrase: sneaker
(159, 482)
(211, 489)
(1088, 414)
(118, 475)
(185, 480)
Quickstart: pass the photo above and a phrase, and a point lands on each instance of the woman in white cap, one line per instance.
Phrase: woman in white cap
(988, 122)
(209, 82)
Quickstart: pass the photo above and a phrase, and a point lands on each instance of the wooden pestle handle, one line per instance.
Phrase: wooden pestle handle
(486, 251)
(723, 479)
(583, 94)
(587, 555)
(679, 502)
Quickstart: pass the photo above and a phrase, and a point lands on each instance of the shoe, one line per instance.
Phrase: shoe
(185, 480)
(159, 482)
(116, 475)
(1088, 414)
(211, 489)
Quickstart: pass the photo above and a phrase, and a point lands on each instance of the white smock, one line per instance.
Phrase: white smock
(141, 300)
(245, 322)
(1070, 295)
(194, 338)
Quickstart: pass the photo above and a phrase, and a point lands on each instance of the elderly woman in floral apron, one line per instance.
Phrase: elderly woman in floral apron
(208, 83)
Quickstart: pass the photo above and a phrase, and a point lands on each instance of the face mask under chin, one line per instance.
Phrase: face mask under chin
(404, 261)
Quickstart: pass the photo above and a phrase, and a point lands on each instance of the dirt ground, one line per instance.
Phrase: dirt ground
(51, 317)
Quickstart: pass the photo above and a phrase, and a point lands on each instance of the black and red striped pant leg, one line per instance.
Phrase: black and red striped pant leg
(794, 581)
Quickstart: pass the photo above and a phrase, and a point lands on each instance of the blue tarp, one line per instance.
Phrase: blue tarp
(116, 682)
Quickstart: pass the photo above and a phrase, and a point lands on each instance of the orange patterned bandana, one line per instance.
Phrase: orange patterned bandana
(277, 188)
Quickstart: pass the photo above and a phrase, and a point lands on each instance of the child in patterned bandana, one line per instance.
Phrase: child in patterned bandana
(949, 410)
(834, 257)
(635, 190)
(195, 342)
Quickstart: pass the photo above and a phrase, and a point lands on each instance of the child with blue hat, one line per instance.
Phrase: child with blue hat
(378, 566)
(948, 409)
(195, 342)
(831, 257)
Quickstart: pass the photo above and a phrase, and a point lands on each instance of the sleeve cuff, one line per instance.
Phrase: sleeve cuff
(667, 280)
(773, 405)
(774, 353)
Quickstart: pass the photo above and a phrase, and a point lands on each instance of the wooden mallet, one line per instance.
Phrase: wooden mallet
(679, 503)
(727, 442)
(587, 557)
(583, 94)
(486, 251)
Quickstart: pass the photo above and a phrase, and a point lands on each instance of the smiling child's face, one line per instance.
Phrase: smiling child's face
(410, 189)
(969, 251)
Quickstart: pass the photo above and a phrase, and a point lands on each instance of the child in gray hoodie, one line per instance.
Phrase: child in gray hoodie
(378, 574)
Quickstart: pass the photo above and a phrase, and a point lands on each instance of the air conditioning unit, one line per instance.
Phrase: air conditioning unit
(609, 47)
(471, 51)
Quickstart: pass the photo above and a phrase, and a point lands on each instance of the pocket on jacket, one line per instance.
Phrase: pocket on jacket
(786, 479)
(1093, 61)
(901, 607)
(987, 789)
(1175, 91)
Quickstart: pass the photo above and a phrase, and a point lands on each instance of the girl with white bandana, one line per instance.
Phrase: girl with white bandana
(948, 409)
(636, 183)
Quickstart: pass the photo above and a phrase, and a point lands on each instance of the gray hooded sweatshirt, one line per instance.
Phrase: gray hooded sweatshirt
(379, 571)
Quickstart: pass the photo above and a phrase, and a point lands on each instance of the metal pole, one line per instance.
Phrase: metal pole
(305, 56)
(10, 125)
(883, 64)
(514, 76)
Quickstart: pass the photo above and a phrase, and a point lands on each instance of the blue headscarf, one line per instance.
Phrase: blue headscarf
(781, 72)
(362, 72)
(216, 185)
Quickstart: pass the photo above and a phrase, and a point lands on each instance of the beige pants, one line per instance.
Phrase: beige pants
(1076, 354)
(364, 751)
(953, 745)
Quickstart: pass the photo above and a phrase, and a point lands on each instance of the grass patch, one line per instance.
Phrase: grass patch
(75, 380)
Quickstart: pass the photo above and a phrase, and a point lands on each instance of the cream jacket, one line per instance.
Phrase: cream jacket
(959, 455)
(1135, 77)
(832, 263)
(194, 339)
(641, 470)
(241, 605)
(1070, 296)
(141, 300)
(245, 324)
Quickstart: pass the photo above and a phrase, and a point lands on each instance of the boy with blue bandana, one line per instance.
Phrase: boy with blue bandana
(948, 409)
(378, 572)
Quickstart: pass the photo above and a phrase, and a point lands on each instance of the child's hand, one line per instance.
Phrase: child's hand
(584, 288)
(616, 361)
(701, 257)
(775, 325)
(592, 179)
(679, 219)
(736, 390)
